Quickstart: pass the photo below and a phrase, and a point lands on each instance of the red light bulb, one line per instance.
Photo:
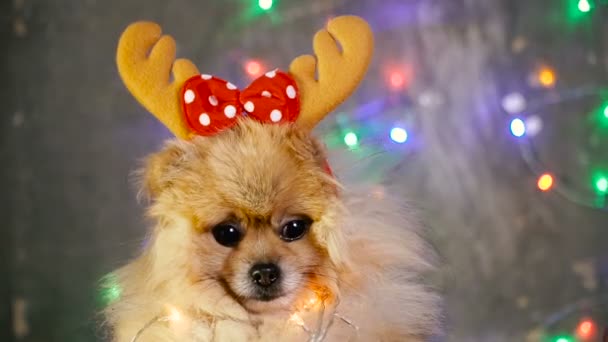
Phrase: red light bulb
(585, 329)
(253, 68)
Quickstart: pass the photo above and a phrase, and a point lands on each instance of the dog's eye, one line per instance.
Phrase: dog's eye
(295, 229)
(227, 235)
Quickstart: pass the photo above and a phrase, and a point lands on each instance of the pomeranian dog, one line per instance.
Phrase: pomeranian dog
(254, 240)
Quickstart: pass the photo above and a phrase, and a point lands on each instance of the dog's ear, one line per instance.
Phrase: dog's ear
(161, 167)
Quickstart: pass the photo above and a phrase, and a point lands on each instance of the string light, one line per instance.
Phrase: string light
(315, 304)
(562, 339)
(601, 185)
(584, 6)
(397, 80)
(605, 111)
(545, 182)
(533, 124)
(174, 314)
(253, 67)
(351, 139)
(265, 4)
(514, 103)
(546, 77)
(585, 329)
(110, 290)
(398, 135)
(518, 127)
(399, 76)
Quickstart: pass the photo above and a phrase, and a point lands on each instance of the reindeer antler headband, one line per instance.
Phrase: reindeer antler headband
(204, 105)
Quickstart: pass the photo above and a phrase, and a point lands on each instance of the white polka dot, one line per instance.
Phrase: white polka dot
(204, 119)
(272, 73)
(230, 86)
(249, 106)
(206, 77)
(189, 96)
(291, 92)
(276, 115)
(230, 111)
(266, 93)
(213, 100)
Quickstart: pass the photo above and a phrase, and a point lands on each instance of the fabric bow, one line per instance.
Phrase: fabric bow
(212, 105)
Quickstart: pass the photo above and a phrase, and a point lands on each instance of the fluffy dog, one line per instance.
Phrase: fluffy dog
(254, 239)
(248, 226)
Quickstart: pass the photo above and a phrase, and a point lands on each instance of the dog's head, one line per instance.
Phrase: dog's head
(246, 176)
(261, 206)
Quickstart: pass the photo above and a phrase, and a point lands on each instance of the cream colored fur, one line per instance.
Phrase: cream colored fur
(369, 249)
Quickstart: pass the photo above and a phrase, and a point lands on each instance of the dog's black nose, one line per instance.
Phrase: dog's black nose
(265, 275)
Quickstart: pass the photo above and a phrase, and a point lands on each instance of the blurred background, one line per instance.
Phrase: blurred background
(489, 116)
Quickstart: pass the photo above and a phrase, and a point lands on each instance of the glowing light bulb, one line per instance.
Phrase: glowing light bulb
(253, 67)
(545, 182)
(546, 77)
(518, 127)
(605, 111)
(174, 314)
(351, 139)
(514, 103)
(601, 184)
(398, 135)
(585, 329)
(562, 339)
(584, 6)
(534, 124)
(296, 319)
(111, 290)
(397, 80)
(265, 4)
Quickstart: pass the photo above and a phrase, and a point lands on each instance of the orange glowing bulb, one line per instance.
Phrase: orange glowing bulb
(546, 77)
(545, 182)
(253, 68)
(296, 319)
(585, 328)
(174, 314)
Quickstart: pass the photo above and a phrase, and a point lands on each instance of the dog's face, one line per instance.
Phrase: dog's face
(260, 204)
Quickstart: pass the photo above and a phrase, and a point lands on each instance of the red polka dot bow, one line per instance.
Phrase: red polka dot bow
(212, 105)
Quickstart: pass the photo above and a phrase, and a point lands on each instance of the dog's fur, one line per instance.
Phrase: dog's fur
(364, 249)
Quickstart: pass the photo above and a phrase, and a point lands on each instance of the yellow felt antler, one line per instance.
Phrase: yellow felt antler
(339, 72)
(145, 60)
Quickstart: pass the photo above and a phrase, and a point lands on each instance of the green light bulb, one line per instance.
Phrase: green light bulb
(265, 4)
(605, 111)
(584, 6)
(602, 184)
(351, 139)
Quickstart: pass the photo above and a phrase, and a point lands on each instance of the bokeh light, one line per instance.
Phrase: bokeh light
(584, 6)
(518, 127)
(398, 135)
(605, 111)
(545, 182)
(399, 77)
(546, 77)
(253, 67)
(601, 184)
(351, 139)
(585, 329)
(174, 314)
(397, 80)
(534, 124)
(514, 103)
(265, 4)
(110, 290)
